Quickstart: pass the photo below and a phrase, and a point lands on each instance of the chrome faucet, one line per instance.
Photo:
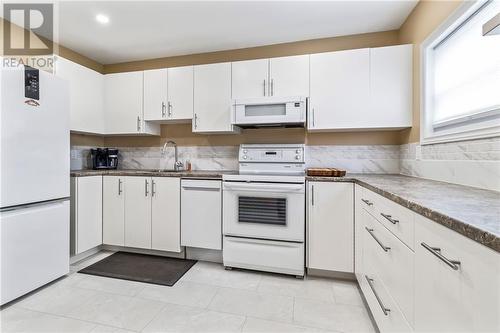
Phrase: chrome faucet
(177, 164)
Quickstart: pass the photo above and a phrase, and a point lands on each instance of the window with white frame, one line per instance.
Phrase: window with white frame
(461, 77)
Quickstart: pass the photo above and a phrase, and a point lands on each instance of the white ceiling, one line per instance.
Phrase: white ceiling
(143, 30)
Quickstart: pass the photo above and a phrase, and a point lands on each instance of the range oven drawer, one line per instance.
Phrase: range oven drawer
(264, 255)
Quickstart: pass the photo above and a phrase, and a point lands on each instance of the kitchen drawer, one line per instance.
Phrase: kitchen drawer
(265, 255)
(369, 201)
(386, 313)
(449, 296)
(398, 219)
(393, 263)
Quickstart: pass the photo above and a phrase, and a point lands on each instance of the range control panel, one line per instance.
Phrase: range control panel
(260, 153)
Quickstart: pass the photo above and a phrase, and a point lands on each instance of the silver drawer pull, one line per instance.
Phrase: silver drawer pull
(382, 306)
(196, 188)
(368, 202)
(454, 264)
(370, 231)
(389, 218)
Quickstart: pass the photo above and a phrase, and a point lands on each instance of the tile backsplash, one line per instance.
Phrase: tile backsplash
(474, 163)
(358, 159)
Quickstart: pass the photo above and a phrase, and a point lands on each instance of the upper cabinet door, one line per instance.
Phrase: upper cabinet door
(340, 89)
(289, 76)
(250, 79)
(123, 103)
(155, 94)
(212, 98)
(180, 93)
(86, 96)
(391, 71)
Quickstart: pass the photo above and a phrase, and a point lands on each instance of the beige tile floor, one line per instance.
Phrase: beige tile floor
(206, 299)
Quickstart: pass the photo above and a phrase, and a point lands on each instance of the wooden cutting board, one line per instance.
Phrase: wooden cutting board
(325, 172)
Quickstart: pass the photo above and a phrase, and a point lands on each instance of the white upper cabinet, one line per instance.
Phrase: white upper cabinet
(212, 98)
(123, 105)
(391, 71)
(250, 78)
(180, 93)
(155, 94)
(86, 96)
(361, 89)
(168, 94)
(340, 89)
(289, 76)
(278, 77)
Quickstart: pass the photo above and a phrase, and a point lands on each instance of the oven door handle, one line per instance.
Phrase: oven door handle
(276, 188)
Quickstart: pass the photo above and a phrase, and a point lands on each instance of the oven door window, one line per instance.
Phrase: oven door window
(262, 210)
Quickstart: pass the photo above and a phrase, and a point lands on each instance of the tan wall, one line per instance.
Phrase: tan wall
(277, 50)
(17, 34)
(426, 17)
(183, 136)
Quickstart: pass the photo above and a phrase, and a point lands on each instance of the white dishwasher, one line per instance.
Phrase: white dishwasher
(201, 213)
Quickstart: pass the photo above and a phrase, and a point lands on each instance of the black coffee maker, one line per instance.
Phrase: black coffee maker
(104, 158)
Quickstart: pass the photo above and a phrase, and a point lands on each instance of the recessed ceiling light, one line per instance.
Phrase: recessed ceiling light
(101, 18)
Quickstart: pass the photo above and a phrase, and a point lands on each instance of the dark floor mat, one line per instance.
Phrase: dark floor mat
(141, 267)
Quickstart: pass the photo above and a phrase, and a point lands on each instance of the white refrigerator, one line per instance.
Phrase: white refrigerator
(34, 180)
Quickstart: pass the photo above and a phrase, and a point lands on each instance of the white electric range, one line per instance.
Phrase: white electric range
(264, 210)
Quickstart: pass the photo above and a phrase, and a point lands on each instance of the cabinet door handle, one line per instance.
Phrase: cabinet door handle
(368, 202)
(153, 188)
(138, 124)
(382, 306)
(120, 190)
(169, 109)
(163, 109)
(265, 87)
(195, 121)
(312, 195)
(389, 218)
(314, 118)
(272, 87)
(370, 231)
(146, 187)
(454, 264)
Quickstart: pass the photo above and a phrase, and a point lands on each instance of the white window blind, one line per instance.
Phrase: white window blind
(466, 70)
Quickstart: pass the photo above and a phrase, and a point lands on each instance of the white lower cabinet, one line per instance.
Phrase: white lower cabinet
(452, 296)
(165, 214)
(113, 213)
(201, 214)
(86, 213)
(330, 226)
(142, 212)
(138, 212)
(417, 275)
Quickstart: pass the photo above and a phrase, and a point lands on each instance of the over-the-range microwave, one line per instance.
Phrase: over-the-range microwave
(270, 112)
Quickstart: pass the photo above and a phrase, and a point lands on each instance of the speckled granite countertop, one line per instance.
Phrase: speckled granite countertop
(472, 212)
(203, 174)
